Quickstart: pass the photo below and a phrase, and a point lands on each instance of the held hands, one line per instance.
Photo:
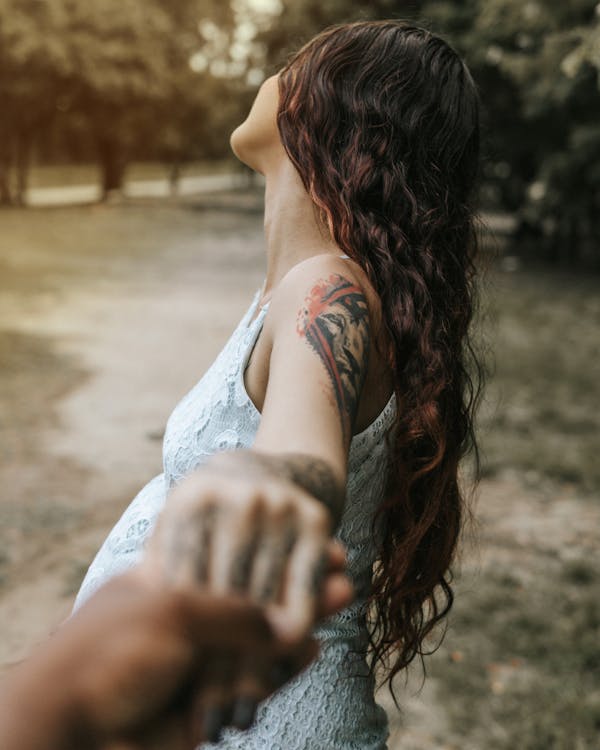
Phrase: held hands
(215, 618)
(135, 666)
(256, 535)
(261, 538)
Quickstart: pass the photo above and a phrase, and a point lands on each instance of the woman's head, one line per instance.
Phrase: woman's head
(381, 121)
(370, 107)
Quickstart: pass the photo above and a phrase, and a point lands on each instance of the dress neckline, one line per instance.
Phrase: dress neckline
(249, 321)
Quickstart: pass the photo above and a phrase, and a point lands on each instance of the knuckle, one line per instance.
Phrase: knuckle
(194, 501)
(283, 510)
(316, 518)
(276, 503)
(176, 608)
(253, 504)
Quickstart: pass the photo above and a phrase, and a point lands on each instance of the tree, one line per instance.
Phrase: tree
(299, 20)
(117, 62)
(31, 70)
(537, 66)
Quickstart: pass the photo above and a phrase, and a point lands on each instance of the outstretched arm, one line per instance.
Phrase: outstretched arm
(260, 521)
(266, 514)
(319, 328)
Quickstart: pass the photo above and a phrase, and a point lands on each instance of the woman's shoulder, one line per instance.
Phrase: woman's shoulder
(327, 284)
(328, 272)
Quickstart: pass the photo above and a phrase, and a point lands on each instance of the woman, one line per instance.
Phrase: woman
(342, 404)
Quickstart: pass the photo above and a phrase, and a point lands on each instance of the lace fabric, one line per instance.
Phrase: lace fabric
(330, 704)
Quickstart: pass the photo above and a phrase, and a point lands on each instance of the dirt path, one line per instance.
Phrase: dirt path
(96, 353)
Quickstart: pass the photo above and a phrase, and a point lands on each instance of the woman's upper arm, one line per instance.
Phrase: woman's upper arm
(320, 331)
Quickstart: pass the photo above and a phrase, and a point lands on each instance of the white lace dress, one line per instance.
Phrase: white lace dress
(330, 705)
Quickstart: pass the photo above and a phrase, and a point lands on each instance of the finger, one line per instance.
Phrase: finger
(307, 566)
(301, 654)
(336, 593)
(251, 686)
(183, 543)
(291, 660)
(337, 555)
(260, 677)
(235, 542)
(214, 699)
(279, 535)
(171, 732)
(294, 615)
(221, 622)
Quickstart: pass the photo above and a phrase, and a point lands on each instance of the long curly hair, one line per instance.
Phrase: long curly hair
(381, 120)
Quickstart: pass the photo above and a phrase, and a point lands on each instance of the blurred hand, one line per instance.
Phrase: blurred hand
(132, 666)
(258, 536)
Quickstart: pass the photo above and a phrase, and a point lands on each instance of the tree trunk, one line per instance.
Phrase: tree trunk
(113, 165)
(174, 175)
(6, 197)
(24, 143)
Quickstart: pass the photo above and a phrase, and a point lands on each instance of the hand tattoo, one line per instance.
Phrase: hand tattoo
(335, 323)
(309, 472)
(188, 546)
(241, 568)
(280, 548)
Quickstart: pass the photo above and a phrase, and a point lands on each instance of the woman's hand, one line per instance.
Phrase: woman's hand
(252, 533)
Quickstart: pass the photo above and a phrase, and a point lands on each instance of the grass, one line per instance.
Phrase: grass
(521, 668)
(541, 416)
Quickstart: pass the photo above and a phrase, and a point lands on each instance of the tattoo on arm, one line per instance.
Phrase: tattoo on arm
(335, 323)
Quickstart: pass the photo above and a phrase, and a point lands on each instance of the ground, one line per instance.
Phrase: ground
(109, 314)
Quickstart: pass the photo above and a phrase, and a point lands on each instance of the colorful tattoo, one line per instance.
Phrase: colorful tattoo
(335, 323)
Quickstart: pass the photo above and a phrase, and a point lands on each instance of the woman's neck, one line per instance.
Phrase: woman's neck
(292, 230)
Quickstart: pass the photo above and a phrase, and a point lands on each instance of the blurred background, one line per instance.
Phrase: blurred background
(131, 242)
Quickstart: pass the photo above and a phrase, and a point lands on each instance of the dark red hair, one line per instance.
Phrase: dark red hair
(381, 120)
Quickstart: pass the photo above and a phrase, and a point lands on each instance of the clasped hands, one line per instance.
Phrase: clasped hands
(260, 539)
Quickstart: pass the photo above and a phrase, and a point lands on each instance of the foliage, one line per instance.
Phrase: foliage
(544, 146)
(115, 66)
(538, 69)
(114, 75)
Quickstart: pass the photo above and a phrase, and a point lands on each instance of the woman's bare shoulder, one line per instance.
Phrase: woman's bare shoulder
(319, 269)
